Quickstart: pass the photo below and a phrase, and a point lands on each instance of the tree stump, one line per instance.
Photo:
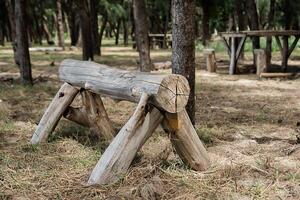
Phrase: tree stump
(210, 57)
(260, 58)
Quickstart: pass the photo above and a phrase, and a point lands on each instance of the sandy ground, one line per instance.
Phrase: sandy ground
(250, 127)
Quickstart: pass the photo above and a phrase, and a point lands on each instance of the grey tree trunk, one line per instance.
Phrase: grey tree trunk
(22, 42)
(141, 34)
(183, 55)
(60, 25)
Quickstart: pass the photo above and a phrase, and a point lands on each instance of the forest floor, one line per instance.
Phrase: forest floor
(251, 128)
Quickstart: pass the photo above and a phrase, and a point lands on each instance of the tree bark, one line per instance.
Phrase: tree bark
(125, 32)
(22, 42)
(141, 34)
(94, 6)
(254, 21)
(60, 26)
(205, 21)
(183, 55)
(117, 31)
(86, 31)
(271, 18)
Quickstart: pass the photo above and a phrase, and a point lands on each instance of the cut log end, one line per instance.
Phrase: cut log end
(173, 93)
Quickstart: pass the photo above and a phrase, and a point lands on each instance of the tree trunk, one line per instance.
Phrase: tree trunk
(22, 42)
(141, 34)
(271, 18)
(125, 32)
(11, 17)
(254, 21)
(287, 14)
(102, 29)
(74, 26)
(205, 21)
(118, 31)
(86, 31)
(94, 5)
(60, 25)
(183, 55)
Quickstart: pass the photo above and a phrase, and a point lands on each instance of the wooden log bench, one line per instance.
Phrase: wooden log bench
(161, 100)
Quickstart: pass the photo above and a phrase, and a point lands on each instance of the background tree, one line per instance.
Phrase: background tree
(60, 26)
(141, 34)
(183, 54)
(22, 42)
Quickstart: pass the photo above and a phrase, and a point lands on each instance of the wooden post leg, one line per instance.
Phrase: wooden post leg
(285, 53)
(118, 156)
(54, 112)
(232, 67)
(186, 141)
(97, 115)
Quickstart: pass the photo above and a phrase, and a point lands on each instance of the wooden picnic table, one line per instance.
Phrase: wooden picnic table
(234, 42)
(160, 39)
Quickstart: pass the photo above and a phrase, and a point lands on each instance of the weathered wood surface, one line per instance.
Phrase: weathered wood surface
(54, 112)
(117, 158)
(260, 57)
(210, 57)
(168, 92)
(186, 141)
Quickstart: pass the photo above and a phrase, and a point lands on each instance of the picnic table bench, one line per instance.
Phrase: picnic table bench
(234, 43)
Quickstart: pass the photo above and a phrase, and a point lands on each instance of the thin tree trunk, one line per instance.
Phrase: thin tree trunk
(141, 34)
(125, 32)
(22, 42)
(60, 25)
(86, 31)
(254, 21)
(94, 5)
(102, 29)
(118, 31)
(270, 27)
(205, 21)
(183, 55)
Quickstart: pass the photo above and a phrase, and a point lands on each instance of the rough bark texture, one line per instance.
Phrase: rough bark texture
(254, 21)
(117, 158)
(86, 31)
(141, 34)
(271, 18)
(169, 92)
(54, 112)
(22, 42)
(183, 55)
(60, 25)
(94, 6)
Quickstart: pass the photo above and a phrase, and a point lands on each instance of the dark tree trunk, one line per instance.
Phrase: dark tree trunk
(22, 42)
(94, 22)
(183, 55)
(102, 29)
(205, 21)
(271, 18)
(11, 17)
(118, 31)
(166, 24)
(60, 25)
(74, 26)
(254, 21)
(287, 14)
(141, 34)
(125, 32)
(86, 31)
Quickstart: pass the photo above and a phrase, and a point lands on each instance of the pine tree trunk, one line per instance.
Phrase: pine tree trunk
(254, 23)
(94, 5)
(86, 31)
(125, 32)
(118, 32)
(270, 27)
(22, 42)
(205, 21)
(183, 55)
(141, 34)
(60, 25)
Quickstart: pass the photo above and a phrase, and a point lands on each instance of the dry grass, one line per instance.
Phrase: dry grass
(248, 125)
